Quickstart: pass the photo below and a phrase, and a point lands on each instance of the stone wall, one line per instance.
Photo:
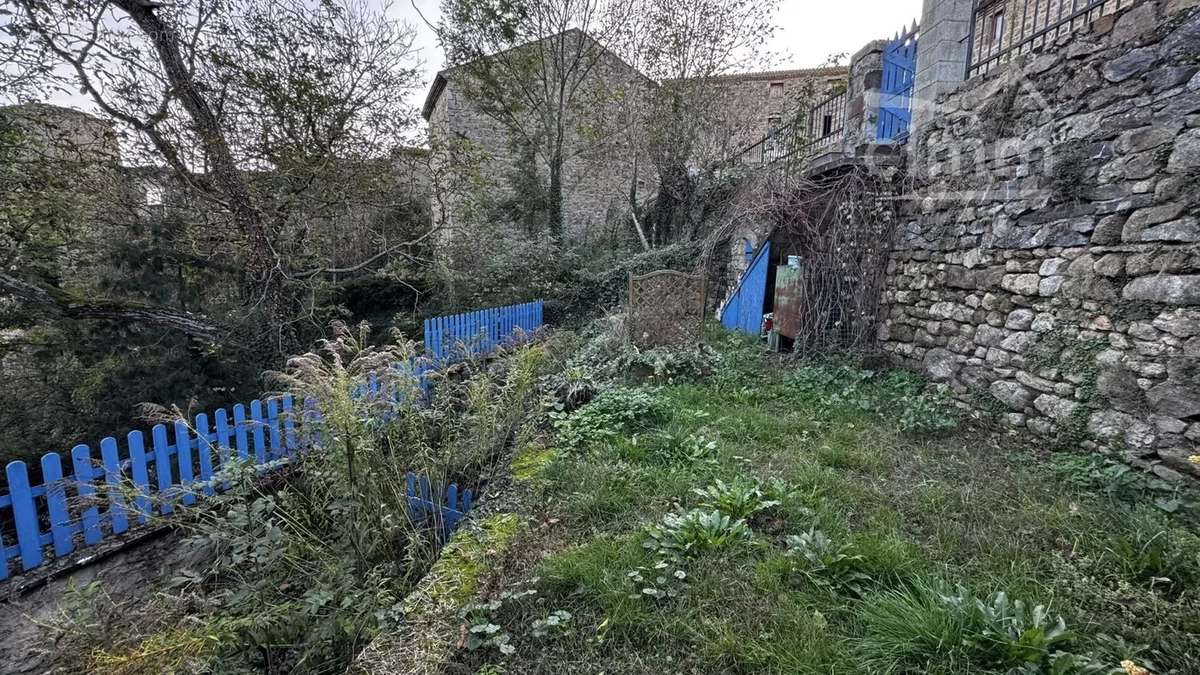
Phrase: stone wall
(599, 147)
(1048, 270)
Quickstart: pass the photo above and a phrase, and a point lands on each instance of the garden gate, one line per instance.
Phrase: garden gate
(895, 102)
(744, 309)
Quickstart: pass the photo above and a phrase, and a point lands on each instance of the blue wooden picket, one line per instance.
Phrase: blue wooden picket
(744, 309)
(103, 496)
(895, 101)
(459, 336)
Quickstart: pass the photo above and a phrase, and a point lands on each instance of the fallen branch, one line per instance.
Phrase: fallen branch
(55, 300)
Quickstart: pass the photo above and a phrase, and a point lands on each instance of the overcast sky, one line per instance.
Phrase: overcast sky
(809, 30)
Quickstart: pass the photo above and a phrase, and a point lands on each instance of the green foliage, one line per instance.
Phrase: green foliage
(611, 414)
(674, 446)
(479, 622)
(308, 573)
(607, 358)
(591, 291)
(569, 388)
(661, 581)
(1122, 483)
(739, 499)
(826, 564)
(1149, 549)
(556, 624)
(1013, 633)
(897, 396)
(925, 626)
(694, 533)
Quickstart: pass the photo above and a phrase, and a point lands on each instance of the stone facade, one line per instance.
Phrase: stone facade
(599, 165)
(599, 172)
(66, 134)
(751, 105)
(1048, 270)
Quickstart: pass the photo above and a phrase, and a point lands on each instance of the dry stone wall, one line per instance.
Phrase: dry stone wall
(1048, 270)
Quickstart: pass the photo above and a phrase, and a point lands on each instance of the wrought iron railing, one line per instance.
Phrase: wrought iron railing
(810, 133)
(1004, 29)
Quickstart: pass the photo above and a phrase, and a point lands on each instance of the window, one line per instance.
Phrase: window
(776, 91)
(153, 195)
(997, 34)
(826, 126)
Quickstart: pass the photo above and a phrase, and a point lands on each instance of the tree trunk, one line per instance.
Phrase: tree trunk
(556, 194)
(161, 317)
(263, 278)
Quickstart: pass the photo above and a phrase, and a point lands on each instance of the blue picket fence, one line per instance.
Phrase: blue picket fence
(100, 497)
(453, 338)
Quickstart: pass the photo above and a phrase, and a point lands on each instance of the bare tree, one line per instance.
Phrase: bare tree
(688, 121)
(541, 70)
(254, 105)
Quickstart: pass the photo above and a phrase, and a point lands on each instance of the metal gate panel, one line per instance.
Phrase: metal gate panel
(895, 100)
(744, 309)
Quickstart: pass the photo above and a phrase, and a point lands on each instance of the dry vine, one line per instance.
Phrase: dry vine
(842, 227)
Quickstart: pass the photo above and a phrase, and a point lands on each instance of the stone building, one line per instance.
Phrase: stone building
(752, 109)
(465, 135)
(65, 134)
(600, 171)
(1044, 265)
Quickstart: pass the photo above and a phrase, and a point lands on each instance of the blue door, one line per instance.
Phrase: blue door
(895, 101)
(744, 310)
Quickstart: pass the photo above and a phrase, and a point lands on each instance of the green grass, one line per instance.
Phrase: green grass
(912, 511)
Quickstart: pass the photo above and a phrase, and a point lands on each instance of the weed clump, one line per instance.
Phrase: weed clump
(613, 413)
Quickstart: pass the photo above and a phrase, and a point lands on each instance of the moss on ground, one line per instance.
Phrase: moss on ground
(531, 462)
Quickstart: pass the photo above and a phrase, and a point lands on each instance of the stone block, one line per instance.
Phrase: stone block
(1129, 64)
(989, 336)
(1134, 24)
(1110, 265)
(1183, 41)
(1019, 343)
(1050, 286)
(1181, 230)
(1021, 284)
(1182, 323)
(1172, 289)
(1186, 155)
(1011, 394)
(1108, 230)
(1055, 407)
(941, 365)
(1053, 266)
(1019, 319)
(1174, 400)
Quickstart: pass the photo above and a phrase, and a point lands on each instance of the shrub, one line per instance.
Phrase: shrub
(614, 412)
(695, 532)
(609, 357)
(895, 396)
(661, 581)
(570, 388)
(676, 446)
(1149, 549)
